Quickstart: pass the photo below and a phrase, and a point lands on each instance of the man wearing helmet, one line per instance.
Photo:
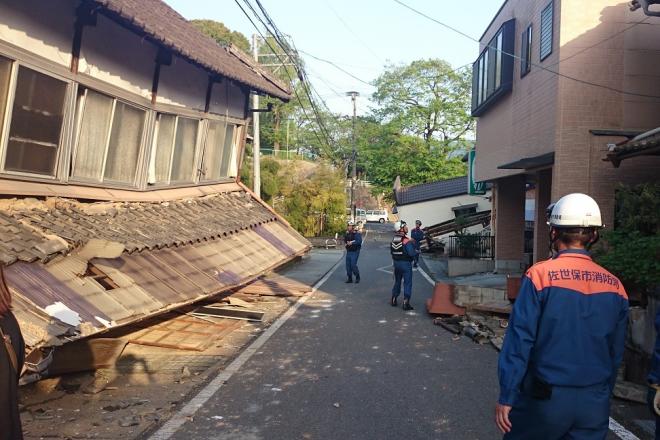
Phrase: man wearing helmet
(565, 338)
(353, 243)
(417, 234)
(403, 251)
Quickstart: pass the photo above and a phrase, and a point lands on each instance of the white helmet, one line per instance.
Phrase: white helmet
(576, 211)
(399, 225)
(350, 223)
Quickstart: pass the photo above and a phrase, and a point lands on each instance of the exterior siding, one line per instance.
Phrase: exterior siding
(523, 123)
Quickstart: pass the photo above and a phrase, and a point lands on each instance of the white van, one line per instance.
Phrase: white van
(377, 215)
(360, 215)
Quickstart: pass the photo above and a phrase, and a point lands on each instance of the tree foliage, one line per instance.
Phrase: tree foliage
(426, 98)
(222, 34)
(632, 249)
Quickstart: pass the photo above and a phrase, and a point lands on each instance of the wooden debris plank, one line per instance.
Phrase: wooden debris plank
(184, 333)
(230, 312)
(236, 302)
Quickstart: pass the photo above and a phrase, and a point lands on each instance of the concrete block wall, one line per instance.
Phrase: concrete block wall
(473, 295)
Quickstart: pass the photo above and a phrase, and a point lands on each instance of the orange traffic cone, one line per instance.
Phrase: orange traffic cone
(442, 302)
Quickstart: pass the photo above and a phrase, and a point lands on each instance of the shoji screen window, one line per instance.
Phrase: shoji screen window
(109, 139)
(174, 154)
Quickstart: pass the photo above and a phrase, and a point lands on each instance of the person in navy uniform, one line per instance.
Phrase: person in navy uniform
(565, 337)
(353, 243)
(12, 356)
(403, 252)
(654, 379)
(417, 234)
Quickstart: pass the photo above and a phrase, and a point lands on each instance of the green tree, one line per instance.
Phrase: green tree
(222, 34)
(385, 153)
(632, 250)
(426, 98)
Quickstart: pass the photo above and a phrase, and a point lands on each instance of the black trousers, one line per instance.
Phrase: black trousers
(10, 420)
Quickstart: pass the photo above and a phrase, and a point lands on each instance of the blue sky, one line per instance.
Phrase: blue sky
(361, 36)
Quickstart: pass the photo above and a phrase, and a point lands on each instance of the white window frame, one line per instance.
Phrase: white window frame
(5, 125)
(79, 108)
(200, 137)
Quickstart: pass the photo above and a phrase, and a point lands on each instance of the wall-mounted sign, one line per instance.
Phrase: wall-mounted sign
(474, 187)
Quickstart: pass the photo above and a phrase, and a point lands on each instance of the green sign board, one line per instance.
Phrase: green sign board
(474, 187)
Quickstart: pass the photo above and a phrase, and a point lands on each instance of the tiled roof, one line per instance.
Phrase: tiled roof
(170, 29)
(431, 191)
(31, 231)
(164, 255)
(646, 144)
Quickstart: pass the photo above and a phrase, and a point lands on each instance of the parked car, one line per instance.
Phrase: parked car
(360, 215)
(377, 215)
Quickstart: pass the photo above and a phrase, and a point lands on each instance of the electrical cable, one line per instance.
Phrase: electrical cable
(357, 37)
(562, 75)
(302, 106)
(337, 67)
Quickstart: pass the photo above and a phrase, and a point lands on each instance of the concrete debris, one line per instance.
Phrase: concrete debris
(185, 372)
(480, 328)
(127, 421)
(630, 391)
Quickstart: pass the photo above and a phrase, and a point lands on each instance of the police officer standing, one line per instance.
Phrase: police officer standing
(403, 252)
(353, 243)
(417, 234)
(565, 338)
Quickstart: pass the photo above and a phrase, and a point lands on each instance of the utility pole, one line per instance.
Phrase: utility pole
(256, 146)
(353, 96)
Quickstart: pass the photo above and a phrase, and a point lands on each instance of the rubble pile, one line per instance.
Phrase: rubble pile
(481, 328)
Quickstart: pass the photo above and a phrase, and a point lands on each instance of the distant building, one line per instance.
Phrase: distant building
(122, 128)
(582, 80)
(437, 202)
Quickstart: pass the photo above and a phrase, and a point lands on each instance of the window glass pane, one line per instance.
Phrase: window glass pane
(498, 60)
(546, 31)
(5, 75)
(228, 151)
(484, 76)
(213, 150)
(96, 111)
(164, 146)
(183, 162)
(37, 114)
(124, 147)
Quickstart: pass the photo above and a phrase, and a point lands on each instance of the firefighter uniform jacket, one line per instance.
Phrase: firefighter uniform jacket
(567, 327)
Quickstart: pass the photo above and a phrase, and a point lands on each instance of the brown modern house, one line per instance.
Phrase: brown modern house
(559, 86)
(122, 129)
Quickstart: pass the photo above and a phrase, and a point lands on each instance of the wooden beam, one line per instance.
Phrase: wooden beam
(163, 58)
(85, 16)
(209, 91)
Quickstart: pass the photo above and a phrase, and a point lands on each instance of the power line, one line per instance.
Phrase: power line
(357, 37)
(563, 75)
(281, 41)
(302, 106)
(336, 67)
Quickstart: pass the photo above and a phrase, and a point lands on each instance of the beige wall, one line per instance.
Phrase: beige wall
(183, 84)
(116, 56)
(433, 212)
(523, 123)
(42, 27)
(630, 61)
